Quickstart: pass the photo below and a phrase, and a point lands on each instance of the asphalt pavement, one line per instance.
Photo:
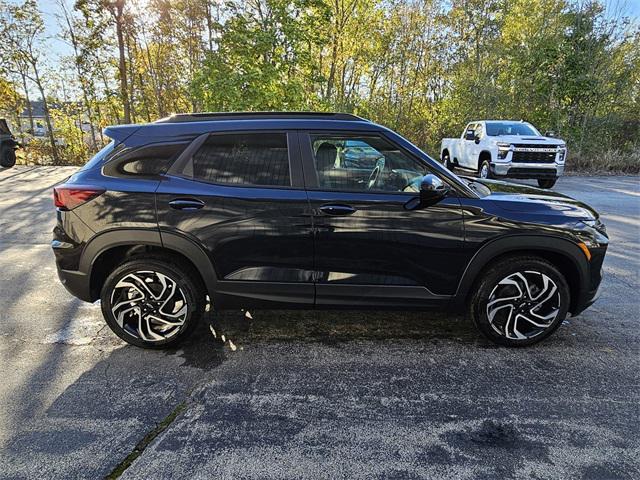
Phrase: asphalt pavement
(315, 394)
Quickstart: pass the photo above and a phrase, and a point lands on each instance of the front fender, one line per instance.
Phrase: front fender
(525, 244)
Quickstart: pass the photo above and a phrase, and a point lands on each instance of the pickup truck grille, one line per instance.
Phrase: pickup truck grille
(532, 153)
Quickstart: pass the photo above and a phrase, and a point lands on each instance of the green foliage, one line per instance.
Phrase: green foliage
(422, 67)
(425, 67)
(263, 58)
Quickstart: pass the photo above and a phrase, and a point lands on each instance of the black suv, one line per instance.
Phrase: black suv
(310, 210)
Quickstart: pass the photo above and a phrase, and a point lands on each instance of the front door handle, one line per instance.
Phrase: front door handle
(187, 204)
(337, 210)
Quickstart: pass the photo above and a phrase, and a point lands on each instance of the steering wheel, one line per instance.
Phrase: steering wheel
(375, 173)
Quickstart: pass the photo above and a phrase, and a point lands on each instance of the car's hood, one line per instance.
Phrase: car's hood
(529, 140)
(523, 198)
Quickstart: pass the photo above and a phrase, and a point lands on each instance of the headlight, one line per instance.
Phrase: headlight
(592, 232)
(562, 150)
(503, 149)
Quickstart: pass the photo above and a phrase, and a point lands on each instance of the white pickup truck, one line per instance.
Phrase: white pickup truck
(505, 148)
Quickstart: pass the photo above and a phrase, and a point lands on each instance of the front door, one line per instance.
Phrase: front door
(369, 248)
(240, 196)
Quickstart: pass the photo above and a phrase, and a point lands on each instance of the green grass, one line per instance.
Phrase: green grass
(608, 162)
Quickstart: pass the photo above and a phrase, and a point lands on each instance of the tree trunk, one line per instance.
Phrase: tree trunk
(47, 116)
(26, 96)
(81, 78)
(117, 13)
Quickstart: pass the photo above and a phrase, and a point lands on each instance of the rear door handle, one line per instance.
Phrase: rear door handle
(337, 210)
(186, 204)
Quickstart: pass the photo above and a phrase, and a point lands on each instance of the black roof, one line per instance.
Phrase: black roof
(210, 116)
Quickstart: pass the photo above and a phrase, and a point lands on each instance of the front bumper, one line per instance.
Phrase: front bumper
(592, 287)
(527, 170)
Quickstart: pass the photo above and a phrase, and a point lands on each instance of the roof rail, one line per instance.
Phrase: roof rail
(212, 116)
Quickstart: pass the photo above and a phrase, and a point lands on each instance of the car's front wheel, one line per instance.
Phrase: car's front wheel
(520, 301)
(485, 169)
(152, 302)
(547, 182)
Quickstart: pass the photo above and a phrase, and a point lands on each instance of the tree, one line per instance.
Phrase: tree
(21, 40)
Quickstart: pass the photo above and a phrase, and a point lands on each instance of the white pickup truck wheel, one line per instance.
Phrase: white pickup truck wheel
(547, 182)
(485, 169)
(446, 161)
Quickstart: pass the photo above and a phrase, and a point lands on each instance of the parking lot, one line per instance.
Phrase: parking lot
(317, 394)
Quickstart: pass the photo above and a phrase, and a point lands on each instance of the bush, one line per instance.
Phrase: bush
(609, 161)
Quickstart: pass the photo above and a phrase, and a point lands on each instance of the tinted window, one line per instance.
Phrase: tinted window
(244, 159)
(100, 156)
(363, 163)
(510, 128)
(149, 161)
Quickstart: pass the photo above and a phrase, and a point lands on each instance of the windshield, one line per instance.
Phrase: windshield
(495, 129)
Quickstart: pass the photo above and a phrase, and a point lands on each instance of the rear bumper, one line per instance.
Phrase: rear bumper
(527, 170)
(76, 283)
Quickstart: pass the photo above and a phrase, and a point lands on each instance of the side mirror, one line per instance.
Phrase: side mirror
(476, 139)
(432, 190)
(550, 134)
(469, 135)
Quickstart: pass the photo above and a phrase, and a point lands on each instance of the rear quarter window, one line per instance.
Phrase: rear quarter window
(148, 161)
(101, 156)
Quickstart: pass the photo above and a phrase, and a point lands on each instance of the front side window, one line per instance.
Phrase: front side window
(368, 163)
(243, 159)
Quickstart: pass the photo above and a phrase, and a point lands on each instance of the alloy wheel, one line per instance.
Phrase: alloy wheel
(484, 171)
(149, 305)
(523, 305)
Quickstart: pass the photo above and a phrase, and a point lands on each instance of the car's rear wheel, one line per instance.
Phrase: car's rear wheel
(520, 301)
(152, 303)
(446, 161)
(7, 156)
(547, 182)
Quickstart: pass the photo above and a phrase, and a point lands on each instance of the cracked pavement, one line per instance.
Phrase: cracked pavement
(315, 394)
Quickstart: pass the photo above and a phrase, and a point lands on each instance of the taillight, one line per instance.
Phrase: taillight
(70, 196)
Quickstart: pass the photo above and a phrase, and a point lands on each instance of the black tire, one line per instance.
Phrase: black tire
(189, 291)
(7, 156)
(446, 161)
(485, 164)
(547, 182)
(486, 299)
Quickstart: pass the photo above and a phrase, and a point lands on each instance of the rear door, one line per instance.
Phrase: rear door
(240, 196)
(370, 249)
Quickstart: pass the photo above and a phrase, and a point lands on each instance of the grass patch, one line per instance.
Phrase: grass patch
(607, 162)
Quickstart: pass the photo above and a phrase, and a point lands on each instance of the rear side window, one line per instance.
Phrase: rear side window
(243, 159)
(147, 161)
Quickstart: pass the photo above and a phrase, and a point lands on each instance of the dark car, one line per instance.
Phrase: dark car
(254, 210)
(8, 145)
